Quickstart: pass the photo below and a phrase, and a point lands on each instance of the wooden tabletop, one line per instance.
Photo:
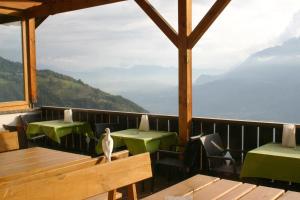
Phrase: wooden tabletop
(25, 162)
(211, 188)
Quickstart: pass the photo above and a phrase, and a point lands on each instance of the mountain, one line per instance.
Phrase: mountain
(11, 81)
(131, 80)
(55, 89)
(264, 87)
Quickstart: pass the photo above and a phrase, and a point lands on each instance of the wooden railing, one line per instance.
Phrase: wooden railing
(236, 134)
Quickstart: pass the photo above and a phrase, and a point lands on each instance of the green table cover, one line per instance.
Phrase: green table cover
(141, 141)
(58, 128)
(273, 161)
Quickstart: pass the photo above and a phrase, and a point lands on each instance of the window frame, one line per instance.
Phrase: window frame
(23, 104)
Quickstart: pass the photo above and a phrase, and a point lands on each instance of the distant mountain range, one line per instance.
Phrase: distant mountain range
(264, 87)
(136, 79)
(55, 89)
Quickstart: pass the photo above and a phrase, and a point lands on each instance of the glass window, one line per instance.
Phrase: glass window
(11, 65)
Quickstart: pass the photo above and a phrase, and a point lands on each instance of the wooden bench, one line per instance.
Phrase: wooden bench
(209, 188)
(81, 180)
(8, 141)
(104, 196)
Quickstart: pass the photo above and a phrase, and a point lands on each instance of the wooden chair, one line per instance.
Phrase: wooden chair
(8, 141)
(216, 155)
(184, 161)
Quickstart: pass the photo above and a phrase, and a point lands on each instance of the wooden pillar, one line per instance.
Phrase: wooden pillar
(185, 69)
(31, 59)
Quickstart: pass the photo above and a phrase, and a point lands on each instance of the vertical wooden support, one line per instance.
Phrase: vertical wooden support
(185, 68)
(132, 194)
(31, 59)
(112, 195)
(25, 63)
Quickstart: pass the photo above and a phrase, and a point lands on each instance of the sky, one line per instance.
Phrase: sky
(121, 35)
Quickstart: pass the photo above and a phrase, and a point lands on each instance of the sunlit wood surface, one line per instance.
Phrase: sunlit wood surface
(20, 163)
(209, 188)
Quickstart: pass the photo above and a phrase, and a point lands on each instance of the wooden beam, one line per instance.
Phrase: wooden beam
(54, 7)
(19, 4)
(31, 59)
(164, 26)
(39, 21)
(25, 60)
(207, 21)
(185, 69)
(8, 19)
(8, 8)
(10, 12)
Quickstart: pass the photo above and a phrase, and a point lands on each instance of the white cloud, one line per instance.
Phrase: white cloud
(122, 35)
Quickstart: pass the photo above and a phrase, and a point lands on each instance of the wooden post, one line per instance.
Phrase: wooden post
(185, 69)
(31, 59)
(132, 194)
(112, 195)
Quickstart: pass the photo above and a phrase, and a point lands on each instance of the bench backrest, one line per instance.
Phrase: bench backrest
(8, 141)
(82, 183)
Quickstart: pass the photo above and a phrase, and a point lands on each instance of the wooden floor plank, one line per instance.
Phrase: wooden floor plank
(263, 193)
(184, 188)
(238, 192)
(289, 195)
(216, 189)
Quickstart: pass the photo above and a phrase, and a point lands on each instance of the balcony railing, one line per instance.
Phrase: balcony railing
(236, 134)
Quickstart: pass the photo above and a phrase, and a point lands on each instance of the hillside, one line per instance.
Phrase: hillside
(11, 84)
(55, 89)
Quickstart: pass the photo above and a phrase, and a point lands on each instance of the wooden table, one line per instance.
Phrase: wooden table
(26, 162)
(208, 188)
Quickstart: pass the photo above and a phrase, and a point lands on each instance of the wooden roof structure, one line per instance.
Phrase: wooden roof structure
(34, 12)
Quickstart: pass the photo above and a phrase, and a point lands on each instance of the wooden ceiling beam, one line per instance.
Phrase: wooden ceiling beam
(164, 26)
(19, 4)
(207, 21)
(39, 21)
(8, 19)
(10, 12)
(8, 8)
(52, 7)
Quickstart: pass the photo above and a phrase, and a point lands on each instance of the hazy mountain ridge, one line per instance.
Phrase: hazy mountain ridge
(56, 89)
(264, 87)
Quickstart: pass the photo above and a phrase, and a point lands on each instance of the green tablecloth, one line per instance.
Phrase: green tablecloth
(273, 161)
(141, 141)
(57, 129)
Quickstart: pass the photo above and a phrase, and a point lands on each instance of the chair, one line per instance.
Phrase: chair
(185, 161)
(24, 120)
(99, 128)
(218, 161)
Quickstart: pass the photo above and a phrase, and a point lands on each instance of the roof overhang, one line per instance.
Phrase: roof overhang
(14, 10)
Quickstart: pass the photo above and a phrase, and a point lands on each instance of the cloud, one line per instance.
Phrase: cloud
(293, 29)
(121, 35)
(10, 42)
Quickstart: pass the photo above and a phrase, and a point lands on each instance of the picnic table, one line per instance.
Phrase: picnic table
(209, 188)
(141, 141)
(26, 162)
(273, 161)
(56, 129)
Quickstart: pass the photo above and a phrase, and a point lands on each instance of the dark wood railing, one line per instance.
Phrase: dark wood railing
(236, 134)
